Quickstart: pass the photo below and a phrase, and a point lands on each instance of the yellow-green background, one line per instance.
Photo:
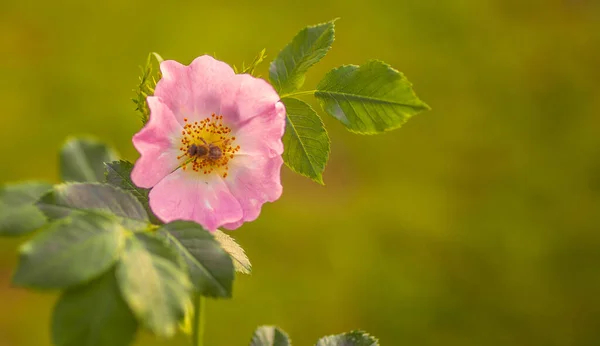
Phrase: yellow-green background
(477, 223)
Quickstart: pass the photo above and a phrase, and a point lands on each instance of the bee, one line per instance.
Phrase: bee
(214, 152)
(197, 150)
(211, 151)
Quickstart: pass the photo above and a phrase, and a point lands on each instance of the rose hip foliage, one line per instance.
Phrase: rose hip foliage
(94, 237)
(367, 99)
(95, 241)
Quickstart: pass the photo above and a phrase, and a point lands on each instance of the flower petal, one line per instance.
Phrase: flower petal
(249, 106)
(188, 195)
(157, 144)
(195, 91)
(252, 97)
(254, 180)
(261, 135)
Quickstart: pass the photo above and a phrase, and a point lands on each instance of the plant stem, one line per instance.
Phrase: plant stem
(198, 326)
(299, 93)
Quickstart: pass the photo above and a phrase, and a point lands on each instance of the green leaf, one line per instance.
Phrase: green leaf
(305, 140)
(241, 263)
(254, 64)
(118, 174)
(70, 251)
(270, 336)
(154, 282)
(148, 79)
(18, 213)
(287, 71)
(210, 267)
(354, 338)
(69, 197)
(93, 315)
(82, 159)
(368, 99)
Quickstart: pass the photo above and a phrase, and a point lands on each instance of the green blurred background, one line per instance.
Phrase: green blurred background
(477, 223)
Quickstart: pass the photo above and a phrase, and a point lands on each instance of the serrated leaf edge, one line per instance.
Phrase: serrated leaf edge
(107, 166)
(356, 331)
(25, 248)
(319, 178)
(278, 86)
(240, 267)
(425, 107)
(223, 290)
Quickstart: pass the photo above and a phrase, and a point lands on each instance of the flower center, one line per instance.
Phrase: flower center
(206, 146)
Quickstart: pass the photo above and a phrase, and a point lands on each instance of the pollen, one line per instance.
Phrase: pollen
(206, 146)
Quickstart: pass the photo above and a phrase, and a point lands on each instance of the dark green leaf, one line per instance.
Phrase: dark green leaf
(71, 251)
(368, 99)
(118, 174)
(210, 267)
(83, 160)
(270, 336)
(305, 140)
(93, 315)
(238, 255)
(287, 71)
(154, 282)
(66, 198)
(18, 213)
(354, 338)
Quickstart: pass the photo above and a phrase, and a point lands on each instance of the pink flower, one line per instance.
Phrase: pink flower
(211, 151)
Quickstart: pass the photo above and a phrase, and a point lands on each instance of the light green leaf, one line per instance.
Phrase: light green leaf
(354, 338)
(368, 99)
(70, 251)
(118, 174)
(287, 71)
(153, 280)
(18, 213)
(82, 159)
(210, 267)
(69, 197)
(238, 255)
(305, 140)
(150, 76)
(93, 315)
(254, 64)
(270, 336)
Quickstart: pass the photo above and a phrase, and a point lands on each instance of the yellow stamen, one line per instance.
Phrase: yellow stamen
(206, 146)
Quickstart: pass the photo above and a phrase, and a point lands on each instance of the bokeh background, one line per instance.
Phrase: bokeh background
(477, 223)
